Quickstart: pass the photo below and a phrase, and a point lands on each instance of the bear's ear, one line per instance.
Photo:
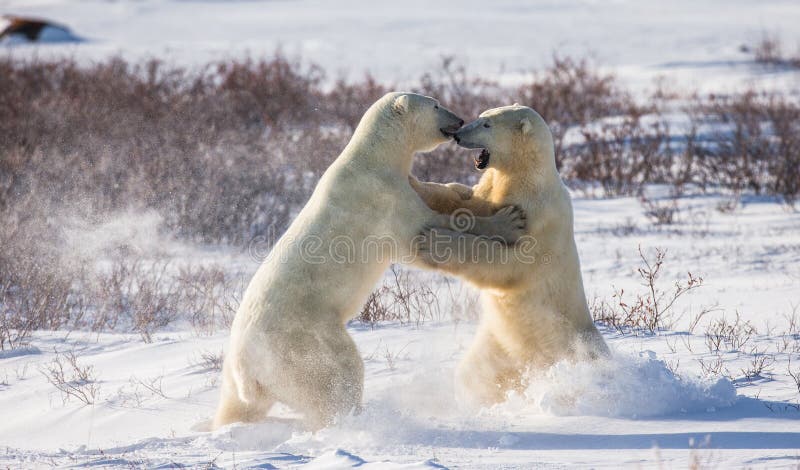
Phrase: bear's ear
(400, 104)
(526, 126)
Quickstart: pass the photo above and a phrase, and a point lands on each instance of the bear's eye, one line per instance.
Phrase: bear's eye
(487, 125)
(436, 106)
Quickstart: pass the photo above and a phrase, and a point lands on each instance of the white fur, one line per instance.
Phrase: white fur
(288, 339)
(534, 306)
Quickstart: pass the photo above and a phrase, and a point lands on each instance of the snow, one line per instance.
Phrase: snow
(652, 404)
(693, 45)
(615, 388)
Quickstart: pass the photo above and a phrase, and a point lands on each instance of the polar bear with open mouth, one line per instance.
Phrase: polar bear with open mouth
(288, 340)
(534, 305)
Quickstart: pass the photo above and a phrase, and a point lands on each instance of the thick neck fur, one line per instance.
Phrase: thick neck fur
(381, 141)
(523, 172)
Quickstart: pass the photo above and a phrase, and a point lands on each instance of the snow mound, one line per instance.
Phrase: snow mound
(20, 351)
(336, 459)
(622, 386)
(255, 436)
(339, 458)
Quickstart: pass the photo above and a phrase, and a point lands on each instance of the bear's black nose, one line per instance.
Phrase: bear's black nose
(455, 137)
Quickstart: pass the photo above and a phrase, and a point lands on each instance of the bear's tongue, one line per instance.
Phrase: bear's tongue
(482, 160)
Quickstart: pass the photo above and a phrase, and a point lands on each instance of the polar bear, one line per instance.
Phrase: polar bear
(288, 339)
(534, 306)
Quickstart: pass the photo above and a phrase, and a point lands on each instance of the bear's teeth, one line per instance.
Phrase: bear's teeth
(482, 160)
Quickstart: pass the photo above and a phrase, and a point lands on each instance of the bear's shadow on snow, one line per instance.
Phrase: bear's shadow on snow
(556, 441)
(744, 407)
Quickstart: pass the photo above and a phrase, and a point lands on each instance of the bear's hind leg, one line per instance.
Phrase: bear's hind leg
(233, 409)
(486, 372)
(340, 394)
(328, 378)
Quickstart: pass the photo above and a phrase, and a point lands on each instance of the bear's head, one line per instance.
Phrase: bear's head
(417, 120)
(511, 138)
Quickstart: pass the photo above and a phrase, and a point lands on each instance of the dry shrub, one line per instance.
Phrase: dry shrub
(229, 152)
(790, 338)
(687, 166)
(139, 292)
(154, 385)
(38, 289)
(465, 95)
(621, 155)
(660, 211)
(144, 296)
(648, 311)
(735, 335)
(282, 91)
(769, 52)
(402, 298)
(405, 298)
(72, 379)
(376, 308)
(210, 298)
(209, 361)
(214, 150)
(346, 102)
(33, 296)
(794, 374)
(715, 367)
(44, 286)
(753, 144)
(760, 364)
(573, 93)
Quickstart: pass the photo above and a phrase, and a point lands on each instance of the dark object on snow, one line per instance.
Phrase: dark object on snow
(21, 29)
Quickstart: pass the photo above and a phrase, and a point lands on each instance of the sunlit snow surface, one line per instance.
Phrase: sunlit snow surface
(651, 404)
(629, 410)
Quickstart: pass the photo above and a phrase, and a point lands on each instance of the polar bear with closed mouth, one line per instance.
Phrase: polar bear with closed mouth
(288, 339)
(534, 306)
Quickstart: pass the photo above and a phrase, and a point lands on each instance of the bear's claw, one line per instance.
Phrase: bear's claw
(511, 223)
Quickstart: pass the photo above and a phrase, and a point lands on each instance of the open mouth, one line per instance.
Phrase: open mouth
(482, 160)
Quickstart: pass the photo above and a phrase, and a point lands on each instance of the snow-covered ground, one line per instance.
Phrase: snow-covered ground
(692, 44)
(663, 400)
(652, 404)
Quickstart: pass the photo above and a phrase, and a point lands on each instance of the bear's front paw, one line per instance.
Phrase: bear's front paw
(511, 224)
(431, 246)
